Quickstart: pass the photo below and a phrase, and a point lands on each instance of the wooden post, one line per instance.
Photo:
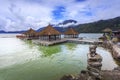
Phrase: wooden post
(55, 37)
(49, 38)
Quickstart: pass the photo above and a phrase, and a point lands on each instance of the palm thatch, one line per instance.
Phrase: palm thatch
(49, 30)
(30, 32)
(107, 30)
(71, 31)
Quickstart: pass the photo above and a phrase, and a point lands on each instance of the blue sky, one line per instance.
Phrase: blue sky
(23, 14)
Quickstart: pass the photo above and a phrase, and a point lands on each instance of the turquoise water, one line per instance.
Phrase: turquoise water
(22, 60)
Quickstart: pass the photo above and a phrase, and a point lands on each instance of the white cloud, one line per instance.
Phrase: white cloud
(23, 14)
(68, 24)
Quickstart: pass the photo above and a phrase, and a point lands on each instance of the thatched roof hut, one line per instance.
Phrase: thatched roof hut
(71, 33)
(30, 32)
(49, 30)
(116, 34)
(107, 30)
(49, 33)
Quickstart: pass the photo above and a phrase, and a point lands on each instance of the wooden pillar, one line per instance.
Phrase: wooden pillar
(49, 38)
(55, 37)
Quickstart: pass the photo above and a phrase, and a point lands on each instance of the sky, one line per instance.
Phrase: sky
(16, 15)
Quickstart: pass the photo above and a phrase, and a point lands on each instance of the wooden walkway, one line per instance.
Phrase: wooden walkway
(71, 40)
(83, 41)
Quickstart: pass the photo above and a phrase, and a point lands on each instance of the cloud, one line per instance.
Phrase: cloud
(23, 14)
(68, 24)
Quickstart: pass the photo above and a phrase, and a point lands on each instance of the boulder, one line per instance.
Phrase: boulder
(95, 58)
(95, 64)
(67, 77)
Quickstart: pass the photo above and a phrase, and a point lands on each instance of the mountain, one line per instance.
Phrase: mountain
(11, 31)
(40, 29)
(94, 27)
(2, 31)
(97, 27)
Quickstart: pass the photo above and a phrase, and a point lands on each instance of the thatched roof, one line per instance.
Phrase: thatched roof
(107, 30)
(49, 30)
(71, 31)
(30, 31)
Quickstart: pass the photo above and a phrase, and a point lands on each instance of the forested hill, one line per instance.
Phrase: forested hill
(97, 27)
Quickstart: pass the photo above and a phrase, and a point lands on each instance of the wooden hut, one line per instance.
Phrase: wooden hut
(116, 34)
(107, 33)
(107, 30)
(71, 33)
(49, 34)
(30, 34)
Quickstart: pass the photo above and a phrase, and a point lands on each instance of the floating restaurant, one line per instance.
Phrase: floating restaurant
(30, 34)
(71, 33)
(107, 33)
(49, 34)
(116, 34)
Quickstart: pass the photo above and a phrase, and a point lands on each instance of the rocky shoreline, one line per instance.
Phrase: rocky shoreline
(93, 71)
(113, 48)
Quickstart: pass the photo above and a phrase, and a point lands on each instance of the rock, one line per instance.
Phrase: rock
(92, 50)
(83, 75)
(118, 56)
(117, 68)
(83, 72)
(67, 77)
(95, 64)
(93, 69)
(95, 58)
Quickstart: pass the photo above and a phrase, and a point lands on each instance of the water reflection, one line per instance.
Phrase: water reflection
(29, 43)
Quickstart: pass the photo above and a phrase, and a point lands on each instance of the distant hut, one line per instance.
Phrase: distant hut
(71, 33)
(107, 30)
(49, 34)
(116, 34)
(107, 33)
(30, 34)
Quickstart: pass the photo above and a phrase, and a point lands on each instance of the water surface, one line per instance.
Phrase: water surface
(22, 60)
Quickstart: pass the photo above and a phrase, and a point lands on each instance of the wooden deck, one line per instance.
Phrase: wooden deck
(84, 41)
(48, 43)
(70, 40)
